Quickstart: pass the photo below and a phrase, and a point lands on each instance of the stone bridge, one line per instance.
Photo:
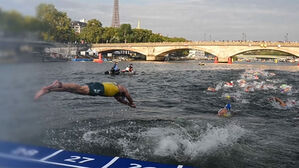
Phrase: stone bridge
(222, 50)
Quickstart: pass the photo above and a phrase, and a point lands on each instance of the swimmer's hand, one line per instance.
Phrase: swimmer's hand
(132, 105)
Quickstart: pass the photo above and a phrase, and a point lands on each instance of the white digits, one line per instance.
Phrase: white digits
(24, 152)
(78, 159)
(134, 165)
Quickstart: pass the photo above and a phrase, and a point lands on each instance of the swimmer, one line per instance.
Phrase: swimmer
(229, 84)
(242, 83)
(278, 100)
(211, 89)
(107, 89)
(228, 106)
(249, 89)
(225, 112)
(222, 112)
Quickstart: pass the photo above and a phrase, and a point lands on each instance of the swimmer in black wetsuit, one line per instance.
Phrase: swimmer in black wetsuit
(107, 89)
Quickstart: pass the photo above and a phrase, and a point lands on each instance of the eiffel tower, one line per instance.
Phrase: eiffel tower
(115, 17)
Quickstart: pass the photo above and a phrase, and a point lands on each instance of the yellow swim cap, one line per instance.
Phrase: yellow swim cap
(228, 97)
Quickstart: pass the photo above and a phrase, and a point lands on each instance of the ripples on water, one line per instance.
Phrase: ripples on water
(175, 120)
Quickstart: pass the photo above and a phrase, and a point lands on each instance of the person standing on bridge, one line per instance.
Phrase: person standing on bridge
(107, 89)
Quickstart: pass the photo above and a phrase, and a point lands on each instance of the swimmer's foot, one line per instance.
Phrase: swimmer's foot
(40, 93)
(47, 89)
(55, 84)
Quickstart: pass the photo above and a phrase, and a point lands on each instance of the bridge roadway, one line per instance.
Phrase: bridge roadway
(222, 50)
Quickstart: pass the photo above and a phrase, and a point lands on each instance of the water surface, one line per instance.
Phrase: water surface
(175, 121)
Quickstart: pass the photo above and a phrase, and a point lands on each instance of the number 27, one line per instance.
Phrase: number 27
(78, 159)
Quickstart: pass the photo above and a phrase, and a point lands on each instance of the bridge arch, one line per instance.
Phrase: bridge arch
(126, 49)
(255, 49)
(169, 50)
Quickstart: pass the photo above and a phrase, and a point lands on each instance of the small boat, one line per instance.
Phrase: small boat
(128, 73)
(112, 72)
(120, 73)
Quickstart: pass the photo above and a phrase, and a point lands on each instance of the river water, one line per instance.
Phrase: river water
(175, 121)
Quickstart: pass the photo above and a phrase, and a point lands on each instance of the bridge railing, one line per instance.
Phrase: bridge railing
(202, 43)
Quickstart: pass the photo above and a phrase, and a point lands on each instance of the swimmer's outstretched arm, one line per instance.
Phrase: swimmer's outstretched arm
(280, 101)
(122, 100)
(124, 94)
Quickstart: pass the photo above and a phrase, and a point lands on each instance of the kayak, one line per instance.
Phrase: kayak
(128, 73)
(112, 72)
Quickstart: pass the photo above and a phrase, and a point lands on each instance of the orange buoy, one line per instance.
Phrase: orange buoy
(216, 60)
(230, 60)
(99, 60)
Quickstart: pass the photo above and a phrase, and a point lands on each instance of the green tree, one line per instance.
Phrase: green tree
(92, 33)
(125, 32)
(156, 38)
(110, 35)
(56, 24)
(13, 22)
(141, 35)
(1, 19)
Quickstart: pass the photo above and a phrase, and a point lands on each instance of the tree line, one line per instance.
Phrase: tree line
(49, 24)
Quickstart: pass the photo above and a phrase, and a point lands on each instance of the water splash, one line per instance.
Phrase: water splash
(174, 143)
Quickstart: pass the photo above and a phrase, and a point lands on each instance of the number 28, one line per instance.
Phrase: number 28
(134, 165)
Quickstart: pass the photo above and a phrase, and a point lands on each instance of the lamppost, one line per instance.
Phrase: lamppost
(243, 36)
(286, 38)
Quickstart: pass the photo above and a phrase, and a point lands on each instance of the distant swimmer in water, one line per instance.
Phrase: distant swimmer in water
(107, 89)
(278, 100)
(249, 88)
(225, 112)
(211, 89)
(229, 84)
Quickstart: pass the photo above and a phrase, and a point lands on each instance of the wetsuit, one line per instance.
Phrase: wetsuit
(107, 89)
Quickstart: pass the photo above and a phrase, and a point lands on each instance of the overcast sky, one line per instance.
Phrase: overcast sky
(191, 19)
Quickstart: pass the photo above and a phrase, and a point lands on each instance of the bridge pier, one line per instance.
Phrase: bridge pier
(222, 60)
(150, 58)
(154, 58)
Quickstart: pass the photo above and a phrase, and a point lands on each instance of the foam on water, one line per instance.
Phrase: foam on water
(171, 142)
(180, 143)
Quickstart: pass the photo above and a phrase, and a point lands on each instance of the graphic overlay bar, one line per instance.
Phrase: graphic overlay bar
(14, 155)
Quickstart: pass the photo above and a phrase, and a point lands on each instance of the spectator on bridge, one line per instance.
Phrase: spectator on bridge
(107, 89)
